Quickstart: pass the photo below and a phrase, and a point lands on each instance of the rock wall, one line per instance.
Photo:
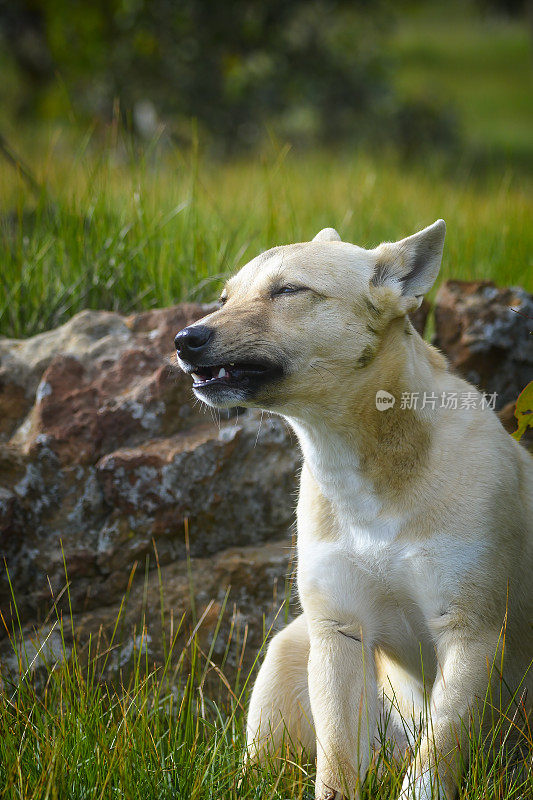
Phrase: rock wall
(106, 460)
(486, 333)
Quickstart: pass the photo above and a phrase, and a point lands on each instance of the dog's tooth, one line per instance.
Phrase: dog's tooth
(195, 377)
(222, 373)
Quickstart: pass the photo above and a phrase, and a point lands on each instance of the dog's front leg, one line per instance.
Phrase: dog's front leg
(343, 693)
(456, 704)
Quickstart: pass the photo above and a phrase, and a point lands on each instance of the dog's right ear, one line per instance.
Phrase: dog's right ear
(327, 235)
(412, 264)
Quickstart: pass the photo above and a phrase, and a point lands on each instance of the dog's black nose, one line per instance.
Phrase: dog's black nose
(190, 342)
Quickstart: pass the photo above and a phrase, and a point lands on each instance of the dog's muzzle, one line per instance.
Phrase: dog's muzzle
(218, 381)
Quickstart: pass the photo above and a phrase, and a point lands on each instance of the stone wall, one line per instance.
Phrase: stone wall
(108, 464)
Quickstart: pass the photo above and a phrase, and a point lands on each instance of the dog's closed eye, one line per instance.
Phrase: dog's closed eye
(287, 288)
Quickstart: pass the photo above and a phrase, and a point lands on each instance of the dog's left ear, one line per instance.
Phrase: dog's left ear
(327, 235)
(412, 263)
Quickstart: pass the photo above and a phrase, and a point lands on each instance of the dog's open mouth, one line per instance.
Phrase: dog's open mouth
(231, 374)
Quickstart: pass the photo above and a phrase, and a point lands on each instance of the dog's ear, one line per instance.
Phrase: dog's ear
(412, 263)
(327, 235)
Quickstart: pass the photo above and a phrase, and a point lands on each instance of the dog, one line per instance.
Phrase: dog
(414, 519)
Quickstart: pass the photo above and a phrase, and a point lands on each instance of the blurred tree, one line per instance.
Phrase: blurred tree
(315, 68)
(23, 32)
(509, 7)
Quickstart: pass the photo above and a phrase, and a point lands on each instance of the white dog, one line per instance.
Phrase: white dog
(415, 517)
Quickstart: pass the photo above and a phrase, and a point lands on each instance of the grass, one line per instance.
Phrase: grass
(116, 227)
(156, 732)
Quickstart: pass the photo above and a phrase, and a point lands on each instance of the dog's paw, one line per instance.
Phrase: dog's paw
(421, 787)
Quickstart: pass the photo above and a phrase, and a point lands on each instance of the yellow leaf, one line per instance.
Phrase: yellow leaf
(524, 411)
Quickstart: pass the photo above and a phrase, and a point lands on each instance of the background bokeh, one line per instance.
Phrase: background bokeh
(147, 147)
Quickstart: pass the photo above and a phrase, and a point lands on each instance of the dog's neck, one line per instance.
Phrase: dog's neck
(356, 450)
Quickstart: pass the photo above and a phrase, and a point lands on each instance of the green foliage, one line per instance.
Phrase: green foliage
(313, 70)
(125, 228)
(413, 75)
(524, 411)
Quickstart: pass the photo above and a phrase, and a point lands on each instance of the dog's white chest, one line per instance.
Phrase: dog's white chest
(361, 564)
(354, 565)
(356, 571)
(362, 580)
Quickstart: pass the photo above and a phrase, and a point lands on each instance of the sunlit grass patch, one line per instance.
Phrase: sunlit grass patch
(125, 229)
(72, 728)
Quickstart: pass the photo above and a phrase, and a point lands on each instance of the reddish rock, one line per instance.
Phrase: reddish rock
(14, 404)
(95, 397)
(116, 453)
(65, 411)
(231, 486)
(160, 325)
(486, 341)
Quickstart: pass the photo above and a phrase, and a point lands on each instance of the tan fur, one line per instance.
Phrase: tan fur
(415, 540)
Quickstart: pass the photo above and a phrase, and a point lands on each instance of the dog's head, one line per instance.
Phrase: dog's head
(300, 316)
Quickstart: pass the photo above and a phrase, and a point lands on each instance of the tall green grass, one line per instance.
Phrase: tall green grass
(176, 729)
(118, 227)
